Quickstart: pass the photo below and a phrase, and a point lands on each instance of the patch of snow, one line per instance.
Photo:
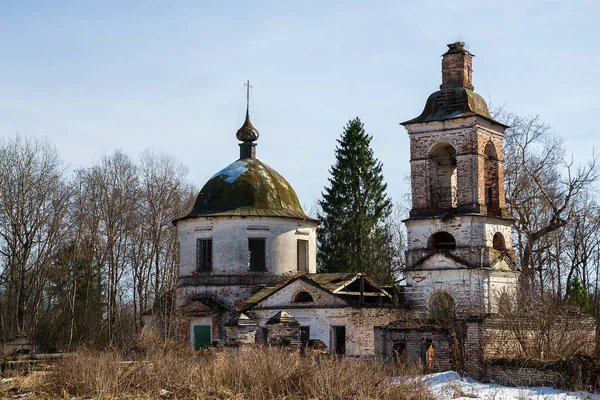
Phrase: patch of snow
(450, 385)
(233, 171)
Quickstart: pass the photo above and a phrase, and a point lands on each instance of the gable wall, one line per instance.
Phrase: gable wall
(284, 297)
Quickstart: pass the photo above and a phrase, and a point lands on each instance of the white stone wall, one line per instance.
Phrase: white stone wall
(359, 323)
(473, 290)
(230, 243)
(468, 231)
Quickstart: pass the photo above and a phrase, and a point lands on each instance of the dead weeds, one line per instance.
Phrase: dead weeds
(173, 371)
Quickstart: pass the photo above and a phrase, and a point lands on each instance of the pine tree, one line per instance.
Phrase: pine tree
(354, 235)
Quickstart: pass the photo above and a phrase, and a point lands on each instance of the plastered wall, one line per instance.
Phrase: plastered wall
(474, 291)
(230, 243)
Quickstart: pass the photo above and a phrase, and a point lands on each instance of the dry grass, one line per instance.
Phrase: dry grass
(173, 371)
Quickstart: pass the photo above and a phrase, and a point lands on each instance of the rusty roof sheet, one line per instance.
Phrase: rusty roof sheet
(453, 103)
(333, 281)
(261, 295)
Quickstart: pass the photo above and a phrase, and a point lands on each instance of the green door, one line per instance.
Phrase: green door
(201, 336)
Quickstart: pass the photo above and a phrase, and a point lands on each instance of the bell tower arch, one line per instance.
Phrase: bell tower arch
(459, 233)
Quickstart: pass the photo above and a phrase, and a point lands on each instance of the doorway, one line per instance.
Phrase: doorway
(338, 339)
(201, 336)
(400, 353)
(304, 335)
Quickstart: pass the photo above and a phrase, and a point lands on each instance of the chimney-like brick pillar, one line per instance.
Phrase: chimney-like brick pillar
(457, 67)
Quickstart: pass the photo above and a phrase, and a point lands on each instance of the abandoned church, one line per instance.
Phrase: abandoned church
(248, 269)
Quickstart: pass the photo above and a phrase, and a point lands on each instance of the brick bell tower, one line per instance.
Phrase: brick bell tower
(459, 233)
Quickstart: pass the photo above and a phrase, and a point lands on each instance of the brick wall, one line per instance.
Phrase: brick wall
(278, 332)
(416, 342)
(515, 376)
(503, 338)
(473, 349)
(469, 137)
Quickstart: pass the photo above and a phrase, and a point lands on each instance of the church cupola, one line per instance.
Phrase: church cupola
(247, 134)
(246, 230)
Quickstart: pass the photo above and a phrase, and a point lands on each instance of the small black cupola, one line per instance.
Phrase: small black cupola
(247, 134)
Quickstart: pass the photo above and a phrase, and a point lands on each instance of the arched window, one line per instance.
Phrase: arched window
(498, 242)
(442, 176)
(302, 297)
(491, 181)
(441, 241)
(442, 309)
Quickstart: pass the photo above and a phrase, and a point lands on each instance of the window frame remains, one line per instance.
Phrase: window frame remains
(204, 256)
(302, 260)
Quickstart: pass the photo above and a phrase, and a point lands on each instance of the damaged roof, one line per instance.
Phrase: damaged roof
(247, 187)
(453, 103)
(331, 282)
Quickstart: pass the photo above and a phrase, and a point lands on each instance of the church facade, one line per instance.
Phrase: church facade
(248, 250)
(247, 268)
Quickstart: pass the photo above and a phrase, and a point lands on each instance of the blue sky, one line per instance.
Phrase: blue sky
(96, 76)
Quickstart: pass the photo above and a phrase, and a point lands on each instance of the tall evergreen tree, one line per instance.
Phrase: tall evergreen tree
(354, 235)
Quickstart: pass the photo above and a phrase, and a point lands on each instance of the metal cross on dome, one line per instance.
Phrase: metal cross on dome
(248, 87)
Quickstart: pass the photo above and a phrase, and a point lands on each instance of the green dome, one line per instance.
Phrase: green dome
(247, 187)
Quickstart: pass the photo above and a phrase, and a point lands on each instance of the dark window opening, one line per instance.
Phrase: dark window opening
(302, 255)
(264, 335)
(256, 255)
(441, 241)
(498, 242)
(203, 254)
(489, 196)
(338, 339)
(304, 334)
(400, 353)
(303, 297)
(428, 355)
(491, 179)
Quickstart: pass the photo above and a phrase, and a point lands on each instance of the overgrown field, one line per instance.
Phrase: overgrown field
(173, 371)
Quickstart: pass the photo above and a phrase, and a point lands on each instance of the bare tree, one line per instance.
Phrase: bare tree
(163, 197)
(115, 183)
(541, 326)
(33, 206)
(542, 186)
